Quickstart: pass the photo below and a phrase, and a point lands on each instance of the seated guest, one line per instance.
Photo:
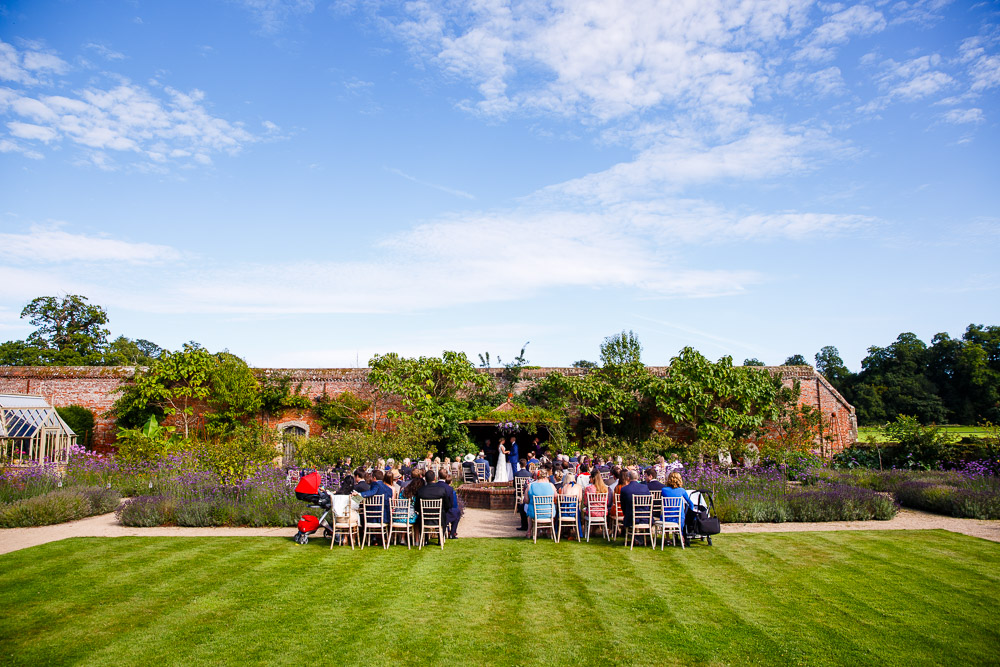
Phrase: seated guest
(393, 482)
(571, 486)
(432, 491)
(675, 489)
(596, 485)
(575, 458)
(410, 493)
(584, 474)
(379, 487)
(540, 487)
(454, 515)
(532, 459)
(480, 460)
(651, 482)
(469, 467)
(406, 470)
(629, 491)
(360, 485)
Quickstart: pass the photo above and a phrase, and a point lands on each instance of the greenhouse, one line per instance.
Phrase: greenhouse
(31, 431)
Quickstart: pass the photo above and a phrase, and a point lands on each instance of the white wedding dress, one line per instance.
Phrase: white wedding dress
(502, 472)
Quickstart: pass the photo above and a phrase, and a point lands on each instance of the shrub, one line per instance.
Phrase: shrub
(57, 506)
(27, 482)
(146, 511)
(81, 420)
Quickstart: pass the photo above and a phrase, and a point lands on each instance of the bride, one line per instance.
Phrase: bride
(502, 473)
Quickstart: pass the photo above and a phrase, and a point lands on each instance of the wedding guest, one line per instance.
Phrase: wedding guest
(379, 487)
(522, 471)
(628, 492)
(596, 485)
(360, 485)
(575, 458)
(651, 482)
(432, 491)
(675, 489)
(454, 515)
(480, 460)
(407, 469)
(540, 487)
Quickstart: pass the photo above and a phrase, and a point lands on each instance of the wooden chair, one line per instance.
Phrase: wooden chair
(642, 520)
(430, 521)
(468, 475)
(344, 521)
(481, 475)
(569, 515)
(519, 484)
(545, 516)
(374, 509)
(670, 522)
(597, 513)
(399, 519)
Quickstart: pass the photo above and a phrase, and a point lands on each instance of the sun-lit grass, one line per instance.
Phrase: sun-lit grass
(804, 598)
(872, 433)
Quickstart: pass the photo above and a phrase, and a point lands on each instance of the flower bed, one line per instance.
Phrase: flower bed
(487, 495)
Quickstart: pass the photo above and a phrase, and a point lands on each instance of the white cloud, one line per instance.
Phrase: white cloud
(49, 245)
(603, 60)
(909, 81)
(984, 67)
(272, 15)
(837, 29)
(958, 116)
(29, 66)
(765, 151)
(105, 51)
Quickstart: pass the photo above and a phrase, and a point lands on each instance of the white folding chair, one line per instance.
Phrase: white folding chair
(519, 484)
(597, 513)
(642, 520)
(399, 519)
(430, 521)
(673, 511)
(481, 475)
(545, 516)
(375, 520)
(569, 514)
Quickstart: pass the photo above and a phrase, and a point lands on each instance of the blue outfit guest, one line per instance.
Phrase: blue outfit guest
(673, 489)
(540, 488)
(482, 459)
(380, 487)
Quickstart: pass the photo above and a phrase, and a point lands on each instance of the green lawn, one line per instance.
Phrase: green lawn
(871, 433)
(893, 597)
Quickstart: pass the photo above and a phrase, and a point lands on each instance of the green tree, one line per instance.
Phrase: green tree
(753, 361)
(584, 364)
(173, 385)
(796, 360)
(711, 400)
(124, 351)
(81, 420)
(894, 381)
(832, 367)
(235, 394)
(69, 332)
(435, 390)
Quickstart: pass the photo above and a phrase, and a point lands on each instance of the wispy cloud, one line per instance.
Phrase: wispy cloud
(273, 15)
(159, 125)
(29, 66)
(837, 29)
(442, 188)
(51, 245)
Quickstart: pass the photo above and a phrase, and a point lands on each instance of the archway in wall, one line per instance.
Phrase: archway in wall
(290, 433)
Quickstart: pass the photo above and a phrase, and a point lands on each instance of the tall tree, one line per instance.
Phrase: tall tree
(832, 367)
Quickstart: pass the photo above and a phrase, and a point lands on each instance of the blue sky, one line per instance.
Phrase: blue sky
(307, 183)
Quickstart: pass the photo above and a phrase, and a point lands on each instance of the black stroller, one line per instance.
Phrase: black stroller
(701, 522)
(310, 490)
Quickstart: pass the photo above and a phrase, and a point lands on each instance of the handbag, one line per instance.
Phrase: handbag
(707, 525)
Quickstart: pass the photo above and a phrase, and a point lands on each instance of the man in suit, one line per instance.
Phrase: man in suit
(480, 460)
(360, 485)
(432, 491)
(513, 454)
(379, 487)
(653, 484)
(522, 471)
(633, 488)
(454, 515)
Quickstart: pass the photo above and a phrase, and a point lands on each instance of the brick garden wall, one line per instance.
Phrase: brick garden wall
(94, 388)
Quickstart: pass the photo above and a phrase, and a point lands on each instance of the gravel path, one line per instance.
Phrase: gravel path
(476, 523)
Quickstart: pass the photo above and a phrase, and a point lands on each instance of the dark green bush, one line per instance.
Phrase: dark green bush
(81, 420)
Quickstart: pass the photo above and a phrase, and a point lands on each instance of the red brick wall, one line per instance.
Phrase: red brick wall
(94, 388)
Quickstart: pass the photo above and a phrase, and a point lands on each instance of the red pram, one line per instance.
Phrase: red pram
(310, 490)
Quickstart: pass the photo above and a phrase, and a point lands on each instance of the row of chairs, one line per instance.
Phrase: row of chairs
(652, 516)
(431, 523)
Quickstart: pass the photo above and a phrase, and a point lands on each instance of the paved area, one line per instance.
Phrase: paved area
(476, 523)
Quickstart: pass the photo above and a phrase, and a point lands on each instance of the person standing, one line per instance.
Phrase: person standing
(502, 472)
(513, 453)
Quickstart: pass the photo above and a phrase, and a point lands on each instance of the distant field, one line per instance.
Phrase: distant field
(871, 433)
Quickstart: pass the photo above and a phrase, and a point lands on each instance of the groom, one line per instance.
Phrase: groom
(513, 453)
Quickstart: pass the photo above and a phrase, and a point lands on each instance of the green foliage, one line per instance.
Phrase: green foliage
(709, 399)
(242, 452)
(795, 360)
(583, 363)
(150, 443)
(918, 446)
(81, 420)
(795, 430)
(435, 391)
(753, 361)
(235, 394)
(277, 395)
(409, 439)
(58, 506)
(69, 330)
(344, 411)
(124, 351)
(623, 349)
